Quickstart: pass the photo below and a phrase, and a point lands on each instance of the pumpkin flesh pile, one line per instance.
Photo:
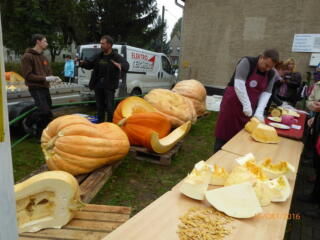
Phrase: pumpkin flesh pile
(195, 91)
(73, 144)
(46, 200)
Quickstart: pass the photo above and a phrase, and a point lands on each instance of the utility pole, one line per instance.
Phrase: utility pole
(162, 34)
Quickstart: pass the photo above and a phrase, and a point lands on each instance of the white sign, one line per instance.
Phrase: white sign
(306, 43)
(315, 59)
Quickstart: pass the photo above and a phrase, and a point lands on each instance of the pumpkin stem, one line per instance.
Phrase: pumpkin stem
(122, 122)
(51, 143)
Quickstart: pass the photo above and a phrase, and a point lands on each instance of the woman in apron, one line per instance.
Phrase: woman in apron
(248, 92)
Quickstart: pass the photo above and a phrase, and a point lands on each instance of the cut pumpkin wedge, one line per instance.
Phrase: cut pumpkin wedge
(165, 144)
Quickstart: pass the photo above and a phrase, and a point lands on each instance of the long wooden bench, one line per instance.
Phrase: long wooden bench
(89, 183)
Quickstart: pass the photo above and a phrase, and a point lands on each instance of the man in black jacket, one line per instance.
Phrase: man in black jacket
(107, 68)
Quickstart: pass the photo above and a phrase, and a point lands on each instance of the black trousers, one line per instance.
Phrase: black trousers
(104, 102)
(218, 144)
(43, 115)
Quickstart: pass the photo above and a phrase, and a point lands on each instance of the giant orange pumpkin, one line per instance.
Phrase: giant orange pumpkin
(140, 126)
(130, 106)
(177, 108)
(195, 91)
(73, 144)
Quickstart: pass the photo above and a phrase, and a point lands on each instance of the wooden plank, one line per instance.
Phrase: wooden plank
(97, 216)
(41, 169)
(92, 225)
(106, 208)
(93, 183)
(66, 234)
(35, 238)
(142, 153)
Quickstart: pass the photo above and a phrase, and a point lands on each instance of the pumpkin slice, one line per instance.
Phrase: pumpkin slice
(165, 144)
(265, 134)
(130, 106)
(239, 201)
(196, 183)
(46, 200)
(218, 176)
(274, 170)
(252, 124)
(280, 189)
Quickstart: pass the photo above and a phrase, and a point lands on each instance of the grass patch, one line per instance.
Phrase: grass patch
(135, 183)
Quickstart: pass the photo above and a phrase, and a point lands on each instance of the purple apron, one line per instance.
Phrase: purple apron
(231, 118)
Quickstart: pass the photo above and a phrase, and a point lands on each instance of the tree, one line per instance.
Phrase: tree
(176, 29)
(52, 18)
(159, 43)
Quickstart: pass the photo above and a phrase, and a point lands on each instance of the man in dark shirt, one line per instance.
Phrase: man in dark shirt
(107, 68)
(37, 73)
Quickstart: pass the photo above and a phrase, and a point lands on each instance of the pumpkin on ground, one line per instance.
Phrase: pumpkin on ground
(46, 200)
(195, 91)
(73, 144)
(177, 108)
(140, 126)
(130, 106)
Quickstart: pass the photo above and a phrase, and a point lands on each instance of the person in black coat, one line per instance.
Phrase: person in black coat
(107, 69)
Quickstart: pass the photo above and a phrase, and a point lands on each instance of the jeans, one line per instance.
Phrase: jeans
(104, 102)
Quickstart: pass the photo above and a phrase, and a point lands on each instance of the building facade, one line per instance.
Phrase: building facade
(216, 34)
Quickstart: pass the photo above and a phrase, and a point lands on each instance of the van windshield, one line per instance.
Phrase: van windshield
(88, 53)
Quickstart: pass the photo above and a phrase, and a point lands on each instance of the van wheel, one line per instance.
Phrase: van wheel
(136, 92)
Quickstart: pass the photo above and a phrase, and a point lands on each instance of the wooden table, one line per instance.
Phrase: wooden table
(286, 150)
(160, 220)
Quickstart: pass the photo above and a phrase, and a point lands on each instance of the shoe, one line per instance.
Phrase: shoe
(312, 213)
(29, 129)
(307, 198)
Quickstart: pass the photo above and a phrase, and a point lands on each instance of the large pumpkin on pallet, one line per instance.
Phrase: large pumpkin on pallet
(73, 144)
(130, 106)
(195, 91)
(177, 108)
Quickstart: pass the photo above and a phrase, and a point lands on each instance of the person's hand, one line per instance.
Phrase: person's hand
(315, 106)
(260, 117)
(118, 65)
(52, 78)
(310, 122)
(247, 110)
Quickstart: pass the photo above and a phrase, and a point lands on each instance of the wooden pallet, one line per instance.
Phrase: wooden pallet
(89, 183)
(142, 153)
(94, 222)
(206, 113)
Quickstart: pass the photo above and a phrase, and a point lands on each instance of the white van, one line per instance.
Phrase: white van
(148, 70)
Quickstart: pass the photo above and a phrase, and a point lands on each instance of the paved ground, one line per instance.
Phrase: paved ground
(305, 228)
